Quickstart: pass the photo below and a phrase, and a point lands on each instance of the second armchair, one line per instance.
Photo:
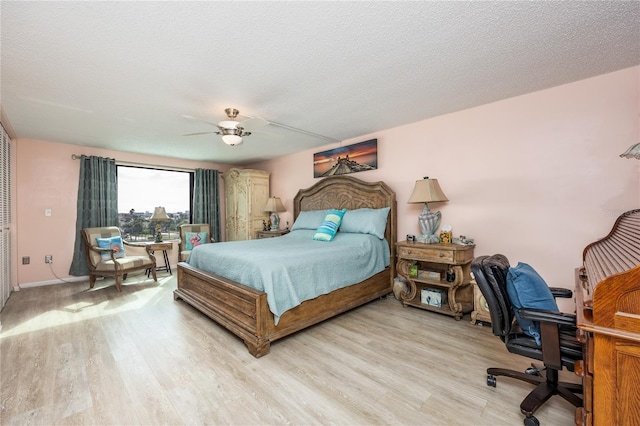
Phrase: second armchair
(192, 235)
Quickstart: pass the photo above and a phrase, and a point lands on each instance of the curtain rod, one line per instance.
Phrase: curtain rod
(149, 166)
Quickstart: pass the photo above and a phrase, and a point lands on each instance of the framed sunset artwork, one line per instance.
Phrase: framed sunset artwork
(358, 157)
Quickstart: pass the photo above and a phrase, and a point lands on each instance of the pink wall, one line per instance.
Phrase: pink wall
(535, 177)
(47, 177)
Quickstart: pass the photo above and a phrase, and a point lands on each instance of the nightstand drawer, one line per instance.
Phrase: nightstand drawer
(418, 253)
(272, 234)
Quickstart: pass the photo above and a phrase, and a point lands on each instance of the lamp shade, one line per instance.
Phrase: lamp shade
(632, 152)
(427, 191)
(274, 205)
(159, 215)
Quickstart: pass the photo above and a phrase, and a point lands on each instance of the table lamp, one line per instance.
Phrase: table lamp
(274, 205)
(428, 191)
(159, 215)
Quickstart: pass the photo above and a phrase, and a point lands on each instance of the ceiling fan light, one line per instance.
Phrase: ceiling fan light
(232, 139)
(228, 124)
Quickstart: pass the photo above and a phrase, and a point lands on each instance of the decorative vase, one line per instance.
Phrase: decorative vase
(400, 286)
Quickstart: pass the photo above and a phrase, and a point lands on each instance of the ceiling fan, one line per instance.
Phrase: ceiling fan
(232, 130)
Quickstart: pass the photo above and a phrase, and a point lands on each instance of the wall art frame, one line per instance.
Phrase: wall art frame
(358, 157)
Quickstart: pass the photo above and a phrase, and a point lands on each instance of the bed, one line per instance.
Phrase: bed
(245, 311)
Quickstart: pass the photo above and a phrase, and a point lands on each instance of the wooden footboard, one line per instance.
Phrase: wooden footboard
(240, 309)
(244, 311)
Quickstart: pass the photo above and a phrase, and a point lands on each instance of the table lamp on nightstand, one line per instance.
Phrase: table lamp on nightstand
(159, 215)
(428, 191)
(274, 205)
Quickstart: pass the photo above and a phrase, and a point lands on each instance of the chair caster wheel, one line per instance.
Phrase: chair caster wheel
(531, 421)
(532, 371)
(491, 380)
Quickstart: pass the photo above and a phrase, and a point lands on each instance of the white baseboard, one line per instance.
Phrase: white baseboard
(51, 282)
(84, 278)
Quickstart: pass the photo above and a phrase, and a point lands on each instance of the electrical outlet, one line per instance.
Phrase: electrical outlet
(48, 259)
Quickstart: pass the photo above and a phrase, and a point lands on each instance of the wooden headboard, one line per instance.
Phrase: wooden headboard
(340, 192)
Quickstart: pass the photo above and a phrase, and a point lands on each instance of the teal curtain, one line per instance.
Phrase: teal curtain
(97, 203)
(206, 200)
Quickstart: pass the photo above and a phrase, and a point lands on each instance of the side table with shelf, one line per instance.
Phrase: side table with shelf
(480, 306)
(153, 246)
(439, 258)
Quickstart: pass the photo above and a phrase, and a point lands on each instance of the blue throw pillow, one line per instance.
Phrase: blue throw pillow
(194, 239)
(527, 289)
(330, 225)
(111, 243)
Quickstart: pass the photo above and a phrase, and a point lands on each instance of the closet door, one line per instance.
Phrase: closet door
(5, 218)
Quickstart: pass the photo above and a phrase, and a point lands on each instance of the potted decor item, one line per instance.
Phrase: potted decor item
(400, 286)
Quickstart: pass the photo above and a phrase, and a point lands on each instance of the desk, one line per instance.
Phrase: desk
(153, 246)
(608, 320)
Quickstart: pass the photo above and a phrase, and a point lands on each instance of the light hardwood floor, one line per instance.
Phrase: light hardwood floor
(70, 355)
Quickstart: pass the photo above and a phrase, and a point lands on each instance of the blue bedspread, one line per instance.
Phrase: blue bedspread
(294, 268)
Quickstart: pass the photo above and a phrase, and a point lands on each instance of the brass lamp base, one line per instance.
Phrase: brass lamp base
(158, 233)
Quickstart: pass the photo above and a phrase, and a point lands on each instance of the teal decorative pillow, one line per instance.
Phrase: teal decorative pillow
(527, 289)
(195, 239)
(114, 243)
(330, 225)
(366, 221)
(309, 219)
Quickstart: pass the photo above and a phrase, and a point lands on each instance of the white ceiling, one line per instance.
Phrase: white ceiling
(122, 75)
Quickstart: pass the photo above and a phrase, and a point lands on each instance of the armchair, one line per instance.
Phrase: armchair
(559, 346)
(106, 256)
(191, 235)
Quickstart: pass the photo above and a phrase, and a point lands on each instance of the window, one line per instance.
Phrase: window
(141, 190)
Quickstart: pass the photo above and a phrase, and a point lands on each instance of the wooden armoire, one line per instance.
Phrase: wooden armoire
(246, 192)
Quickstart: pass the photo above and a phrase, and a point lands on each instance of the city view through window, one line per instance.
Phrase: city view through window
(141, 190)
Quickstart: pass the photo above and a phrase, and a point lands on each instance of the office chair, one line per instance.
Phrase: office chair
(559, 346)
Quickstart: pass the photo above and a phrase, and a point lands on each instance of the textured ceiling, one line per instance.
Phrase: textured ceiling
(122, 75)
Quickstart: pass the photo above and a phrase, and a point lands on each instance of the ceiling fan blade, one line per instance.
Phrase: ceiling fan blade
(254, 123)
(201, 133)
(249, 124)
(267, 135)
(190, 117)
(304, 132)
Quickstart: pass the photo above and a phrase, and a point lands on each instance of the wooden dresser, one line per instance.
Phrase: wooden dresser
(608, 316)
(245, 194)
